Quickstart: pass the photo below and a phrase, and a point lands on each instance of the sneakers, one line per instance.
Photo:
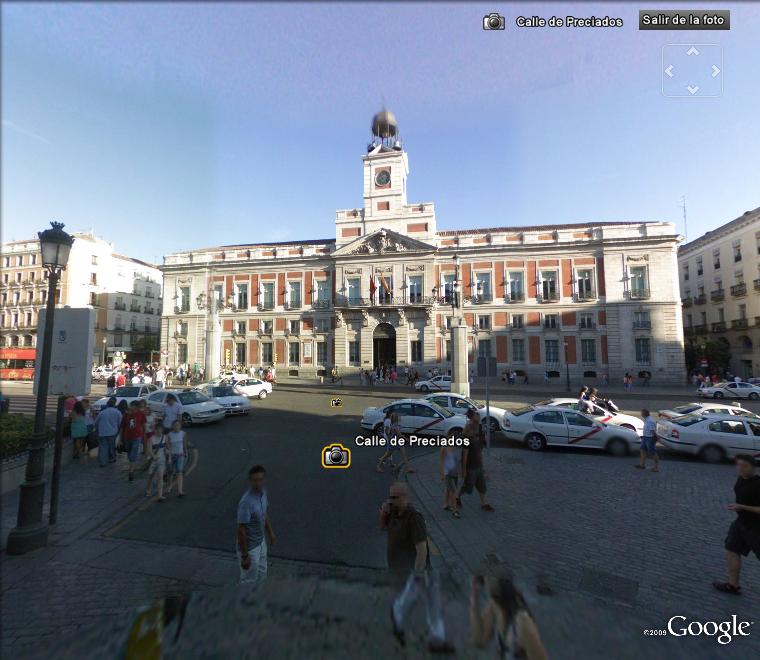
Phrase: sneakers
(727, 588)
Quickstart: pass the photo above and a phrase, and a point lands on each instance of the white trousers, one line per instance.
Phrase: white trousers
(427, 584)
(255, 575)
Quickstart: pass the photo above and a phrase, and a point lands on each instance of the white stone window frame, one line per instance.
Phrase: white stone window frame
(288, 293)
(594, 343)
(521, 359)
(557, 281)
(488, 317)
(475, 278)
(576, 278)
(315, 293)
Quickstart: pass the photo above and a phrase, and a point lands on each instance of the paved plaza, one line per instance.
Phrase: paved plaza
(603, 551)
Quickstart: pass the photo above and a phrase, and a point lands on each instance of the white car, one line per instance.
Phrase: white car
(459, 404)
(128, 393)
(415, 417)
(705, 409)
(254, 387)
(600, 414)
(228, 398)
(713, 438)
(435, 384)
(197, 408)
(740, 390)
(538, 427)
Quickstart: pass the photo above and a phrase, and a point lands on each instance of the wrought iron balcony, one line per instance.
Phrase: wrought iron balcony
(639, 293)
(700, 329)
(642, 325)
(515, 297)
(181, 310)
(480, 299)
(585, 296)
(587, 325)
(720, 326)
(738, 290)
(739, 324)
(266, 330)
(122, 307)
(321, 304)
(413, 300)
(687, 302)
(551, 297)
(701, 299)
(266, 305)
(293, 304)
(717, 295)
(688, 331)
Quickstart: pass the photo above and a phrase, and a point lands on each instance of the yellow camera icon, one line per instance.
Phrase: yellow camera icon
(336, 403)
(336, 456)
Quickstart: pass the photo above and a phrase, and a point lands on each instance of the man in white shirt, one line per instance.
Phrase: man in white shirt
(107, 424)
(648, 443)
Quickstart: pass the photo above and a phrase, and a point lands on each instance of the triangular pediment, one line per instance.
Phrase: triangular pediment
(381, 242)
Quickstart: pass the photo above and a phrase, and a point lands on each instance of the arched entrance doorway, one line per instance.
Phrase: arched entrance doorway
(384, 345)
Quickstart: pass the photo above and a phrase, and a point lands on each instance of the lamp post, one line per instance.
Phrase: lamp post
(567, 370)
(459, 341)
(31, 532)
(103, 361)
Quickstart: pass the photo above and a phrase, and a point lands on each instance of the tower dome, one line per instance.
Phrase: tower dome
(384, 125)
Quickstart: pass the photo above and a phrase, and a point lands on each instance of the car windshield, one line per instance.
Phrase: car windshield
(473, 403)
(191, 397)
(687, 408)
(223, 391)
(545, 402)
(127, 391)
(522, 411)
(688, 420)
(439, 409)
(723, 384)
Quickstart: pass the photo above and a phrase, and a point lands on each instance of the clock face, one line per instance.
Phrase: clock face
(383, 178)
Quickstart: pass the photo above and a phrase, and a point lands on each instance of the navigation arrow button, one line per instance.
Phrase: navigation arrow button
(669, 71)
(693, 89)
(715, 71)
(692, 51)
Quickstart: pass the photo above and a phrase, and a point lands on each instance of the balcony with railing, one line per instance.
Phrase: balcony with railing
(480, 299)
(585, 296)
(738, 290)
(638, 293)
(688, 331)
(739, 324)
(548, 297)
(266, 305)
(135, 309)
(182, 309)
(587, 324)
(293, 304)
(687, 302)
(717, 295)
(265, 329)
(515, 296)
(122, 307)
(642, 324)
(321, 304)
(720, 326)
(700, 329)
(701, 299)
(412, 300)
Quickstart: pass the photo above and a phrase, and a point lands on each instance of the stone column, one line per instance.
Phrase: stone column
(460, 383)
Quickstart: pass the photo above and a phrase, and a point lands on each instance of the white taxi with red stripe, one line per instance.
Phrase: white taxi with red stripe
(415, 417)
(600, 414)
(540, 426)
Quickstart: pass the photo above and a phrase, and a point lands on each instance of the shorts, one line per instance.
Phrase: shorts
(452, 480)
(742, 540)
(178, 462)
(475, 477)
(133, 449)
(158, 464)
(649, 445)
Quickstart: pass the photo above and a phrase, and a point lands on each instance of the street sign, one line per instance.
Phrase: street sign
(73, 341)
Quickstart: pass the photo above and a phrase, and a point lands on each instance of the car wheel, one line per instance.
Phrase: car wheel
(378, 430)
(617, 447)
(424, 388)
(718, 395)
(263, 394)
(712, 454)
(754, 396)
(456, 432)
(493, 424)
(186, 419)
(535, 442)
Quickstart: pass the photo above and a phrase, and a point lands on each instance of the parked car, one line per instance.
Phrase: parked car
(233, 402)
(705, 409)
(254, 387)
(128, 393)
(600, 414)
(197, 408)
(711, 437)
(740, 390)
(459, 404)
(435, 384)
(417, 417)
(540, 426)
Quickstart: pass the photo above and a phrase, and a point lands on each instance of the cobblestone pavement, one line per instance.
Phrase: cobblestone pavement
(619, 550)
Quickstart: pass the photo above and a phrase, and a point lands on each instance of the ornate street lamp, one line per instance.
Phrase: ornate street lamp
(31, 532)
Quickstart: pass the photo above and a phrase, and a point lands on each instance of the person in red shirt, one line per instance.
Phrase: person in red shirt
(121, 379)
(133, 434)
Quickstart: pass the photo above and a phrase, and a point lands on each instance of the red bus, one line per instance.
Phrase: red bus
(17, 363)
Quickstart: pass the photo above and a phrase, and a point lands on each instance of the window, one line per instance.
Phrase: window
(585, 284)
(549, 285)
(416, 349)
(415, 288)
(742, 311)
(484, 348)
(294, 326)
(118, 339)
(94, 260)
(218, 292)
(20, 260)
(182, 328)
(643, 350)
(448, 287)
(184, 299)
(716, 259)
(6, 262)
(484, 322)
(354, 351)
(5, 278)
(574, 419)
(385, 288)
(686, 272)
(266, 353)
(549, 417)
(266, 326)
(737, 252)
(639, 285)
(700, 269)
(354, 290)
(18, 277)
(588, 351)
(551, 351)
(721, 315)
(689, 321)
(28, 319)
(241, 297)
(294, 293)
(181, 353)
(133, 323)
(517, 321)
(482, 288)
(294, 352)
(518, 350)
(516, 285)
(321, 325)
(449, 321)
(93, 279)
(240, 327)
(240, 357)
(29, 297)
(268, 295)
(551, 321)
(448, 350)
(734, 427)
(641, 320)
(323, 291)
(32, 276)
(16, 298)
(587, 320)
(322, 352)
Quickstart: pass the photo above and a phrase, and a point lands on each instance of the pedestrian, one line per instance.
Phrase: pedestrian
(107, 425)
(473, 471)
(471, 377)
(525, 380)
(172, 413)
(584, 405)
(177, 439)
(110, 384)
(121, 380)
(391, 431)
(254, 532)
(744, 533)
(133, 434)
(648, 443)
(160, 377)
(159, 457)
(605, 379)
(78, 426)
(451, 463)
(505, 616)
(409, 564)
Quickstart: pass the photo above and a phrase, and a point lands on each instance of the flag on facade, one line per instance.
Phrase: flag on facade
(287, 294)
(385, 285)
(372, 287)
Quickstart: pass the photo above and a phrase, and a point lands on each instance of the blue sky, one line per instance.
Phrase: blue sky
(172, 126)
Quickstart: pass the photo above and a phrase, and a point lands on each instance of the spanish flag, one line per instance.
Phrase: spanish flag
(385, 285)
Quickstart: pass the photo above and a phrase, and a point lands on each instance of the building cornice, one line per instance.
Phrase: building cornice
(722, 232)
